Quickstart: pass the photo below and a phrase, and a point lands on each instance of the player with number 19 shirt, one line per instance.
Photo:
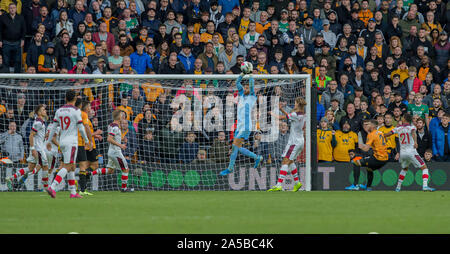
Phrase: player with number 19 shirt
(68, 118)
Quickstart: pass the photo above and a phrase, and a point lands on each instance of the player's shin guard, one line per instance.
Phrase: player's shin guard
(248, 153)
(124, 180)
(283, 172)
(71, 181)
(425, 177)
(233, 156)
(401, 177)
(356, 174)
(59, 177)
(294, 172)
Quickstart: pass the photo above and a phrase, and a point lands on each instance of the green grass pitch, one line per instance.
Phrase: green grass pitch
(167, 212)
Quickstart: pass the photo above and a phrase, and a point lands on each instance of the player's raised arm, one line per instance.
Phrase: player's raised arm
(239, 85)
(251, 83)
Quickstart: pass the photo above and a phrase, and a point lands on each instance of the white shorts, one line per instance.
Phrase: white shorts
(411, 157)
(117, 161)
(292, 151)
(52, 157)
(40, 160)
(69, 153)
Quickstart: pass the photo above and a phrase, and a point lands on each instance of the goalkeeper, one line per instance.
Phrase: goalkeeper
(247, 100)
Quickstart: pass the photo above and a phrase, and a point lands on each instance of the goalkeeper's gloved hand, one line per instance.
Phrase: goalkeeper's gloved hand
(242, 74)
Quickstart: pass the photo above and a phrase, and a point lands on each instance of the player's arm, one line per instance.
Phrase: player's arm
(81, 128)
(111, 140)
(239, 85)
(366, 147)
(386, 135)
(53, 127)
(414, 135)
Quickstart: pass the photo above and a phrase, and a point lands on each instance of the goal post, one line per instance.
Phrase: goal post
(161, 150)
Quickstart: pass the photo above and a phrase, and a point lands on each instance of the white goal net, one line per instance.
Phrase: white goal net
(178, 131)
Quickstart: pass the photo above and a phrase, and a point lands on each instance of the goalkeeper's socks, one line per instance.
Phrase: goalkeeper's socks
(356, 174)
(294, 172)
(124, 180)
(100, 171)
(401, 177)
(283, 173)
(45, 179)
(233, 156)
(21, 172)
(425, 177)
(59, 177)
(248, 153)
(71, 181)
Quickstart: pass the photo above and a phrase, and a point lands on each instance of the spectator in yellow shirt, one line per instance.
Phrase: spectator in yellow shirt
(325, 141)
(125, 108)
(346, 140)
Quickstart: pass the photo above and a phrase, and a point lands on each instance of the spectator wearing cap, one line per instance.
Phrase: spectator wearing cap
(140, 60)
(326, 141)
(328, 35)
(442, 47)
(187, 59)
(100, 67)
(209, 59)
(369, 33)
(308, 32)
(335, 26)
(356, 23)
(284, 21)
(47, 62)
(331, 93)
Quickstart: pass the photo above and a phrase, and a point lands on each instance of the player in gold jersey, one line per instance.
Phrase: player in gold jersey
(379, 157)
(83, 148)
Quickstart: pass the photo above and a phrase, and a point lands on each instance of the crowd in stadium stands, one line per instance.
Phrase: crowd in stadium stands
(370, 59)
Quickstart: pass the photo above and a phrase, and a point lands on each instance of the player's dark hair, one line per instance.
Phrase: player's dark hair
(78, 103)
(70, 95)
(408, 117)
(387, 113)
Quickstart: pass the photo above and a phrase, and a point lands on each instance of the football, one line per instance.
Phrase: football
(246, 67)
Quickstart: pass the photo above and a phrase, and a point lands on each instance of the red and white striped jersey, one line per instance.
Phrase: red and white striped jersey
(68, 117)
(405, 137)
